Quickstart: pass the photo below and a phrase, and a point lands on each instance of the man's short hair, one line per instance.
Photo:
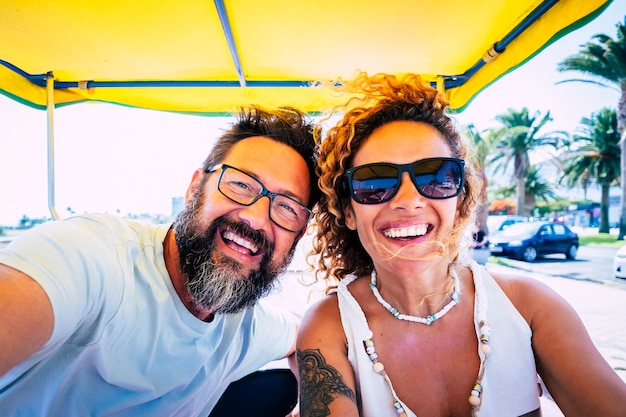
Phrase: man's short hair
(285, 125)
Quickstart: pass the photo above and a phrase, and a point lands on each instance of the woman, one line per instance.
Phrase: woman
(414, 328)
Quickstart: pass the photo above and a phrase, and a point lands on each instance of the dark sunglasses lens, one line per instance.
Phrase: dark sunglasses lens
(438, 179)
(374, 183)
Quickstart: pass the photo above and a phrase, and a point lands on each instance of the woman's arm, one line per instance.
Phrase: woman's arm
(578, 377)
(327, 385)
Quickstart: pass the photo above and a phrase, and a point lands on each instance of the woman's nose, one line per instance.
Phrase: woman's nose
(407, 195)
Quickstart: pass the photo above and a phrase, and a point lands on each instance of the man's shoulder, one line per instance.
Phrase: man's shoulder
(115, 225)
(105, 219)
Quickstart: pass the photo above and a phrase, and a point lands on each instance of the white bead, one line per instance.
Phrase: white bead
(416, 319)
(474, 400)
(484, 332)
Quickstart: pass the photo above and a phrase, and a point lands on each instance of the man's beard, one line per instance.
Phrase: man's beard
(214, 280)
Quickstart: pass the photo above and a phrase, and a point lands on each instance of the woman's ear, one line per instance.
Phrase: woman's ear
(349, 216)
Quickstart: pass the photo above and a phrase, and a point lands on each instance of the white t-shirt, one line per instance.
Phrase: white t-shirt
(123, 343)
(510, 386)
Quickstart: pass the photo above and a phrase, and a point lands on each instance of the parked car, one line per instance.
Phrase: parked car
(619, 263)
(528, 240)
(497, 223)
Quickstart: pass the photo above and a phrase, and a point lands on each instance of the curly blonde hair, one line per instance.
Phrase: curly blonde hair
(377, 100)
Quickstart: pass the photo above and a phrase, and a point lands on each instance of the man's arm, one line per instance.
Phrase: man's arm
(26, 318)
(293, 365)
(291, 355)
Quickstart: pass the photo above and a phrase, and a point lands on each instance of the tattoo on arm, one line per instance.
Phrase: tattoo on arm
(320, 384)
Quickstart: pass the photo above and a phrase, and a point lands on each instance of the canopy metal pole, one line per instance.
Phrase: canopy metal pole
(50, 113)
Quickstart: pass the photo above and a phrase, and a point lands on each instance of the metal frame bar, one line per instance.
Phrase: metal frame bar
(230, 39)
(50, 114)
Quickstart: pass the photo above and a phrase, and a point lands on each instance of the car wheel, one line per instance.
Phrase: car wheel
(572, 252)
(529, 254)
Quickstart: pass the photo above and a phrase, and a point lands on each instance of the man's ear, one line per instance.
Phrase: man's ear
(301, 233)
(196, 180)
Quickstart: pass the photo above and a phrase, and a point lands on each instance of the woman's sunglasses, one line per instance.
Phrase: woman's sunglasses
(435, 178)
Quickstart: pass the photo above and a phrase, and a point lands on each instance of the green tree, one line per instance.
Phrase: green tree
(515, 140)
(597, 159)
(603, 60)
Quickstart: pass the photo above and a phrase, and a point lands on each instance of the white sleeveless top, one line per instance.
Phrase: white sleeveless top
(510, 380)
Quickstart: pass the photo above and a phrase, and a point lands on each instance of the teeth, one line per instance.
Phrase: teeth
(412, 231)
(241, 242)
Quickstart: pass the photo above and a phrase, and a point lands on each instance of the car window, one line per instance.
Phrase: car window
(545, 231)
(559, 229)
(497, 223)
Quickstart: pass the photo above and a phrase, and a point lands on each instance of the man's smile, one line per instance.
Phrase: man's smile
(240, 243)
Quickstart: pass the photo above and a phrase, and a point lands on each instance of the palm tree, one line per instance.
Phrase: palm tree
(515, 140)
(597, 159)
(536, 187)
(482, 147)
(603, 59)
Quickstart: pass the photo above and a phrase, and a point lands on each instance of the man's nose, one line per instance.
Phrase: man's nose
(257, 214)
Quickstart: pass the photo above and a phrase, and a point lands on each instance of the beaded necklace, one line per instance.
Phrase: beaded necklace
(480, 316)
(428, 320)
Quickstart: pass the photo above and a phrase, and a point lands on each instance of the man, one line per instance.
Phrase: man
(106, 316)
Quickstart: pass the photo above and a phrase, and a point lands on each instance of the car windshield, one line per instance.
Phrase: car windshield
(499, 223)
(522, 228)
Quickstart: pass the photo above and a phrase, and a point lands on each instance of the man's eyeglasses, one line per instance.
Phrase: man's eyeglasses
(244, 189)
(435, 178)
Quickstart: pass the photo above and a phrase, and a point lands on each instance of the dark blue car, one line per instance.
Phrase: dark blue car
(528, 240)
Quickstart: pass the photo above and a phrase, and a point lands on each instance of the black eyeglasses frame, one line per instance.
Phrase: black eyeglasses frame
(264, 193)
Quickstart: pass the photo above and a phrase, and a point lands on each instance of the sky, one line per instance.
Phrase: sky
(536, 86)
(115, 159)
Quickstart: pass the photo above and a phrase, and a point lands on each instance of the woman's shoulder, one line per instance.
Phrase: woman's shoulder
(328, 305)
(529, 295)
(321, 324)
(517, 284)
(322, 312)
(324, 316)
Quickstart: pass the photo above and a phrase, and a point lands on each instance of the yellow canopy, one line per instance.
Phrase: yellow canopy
(204, 57)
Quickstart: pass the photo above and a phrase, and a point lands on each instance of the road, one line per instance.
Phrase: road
(593, 263)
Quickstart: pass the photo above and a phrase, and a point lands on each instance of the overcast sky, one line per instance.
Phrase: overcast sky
(111, 158)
